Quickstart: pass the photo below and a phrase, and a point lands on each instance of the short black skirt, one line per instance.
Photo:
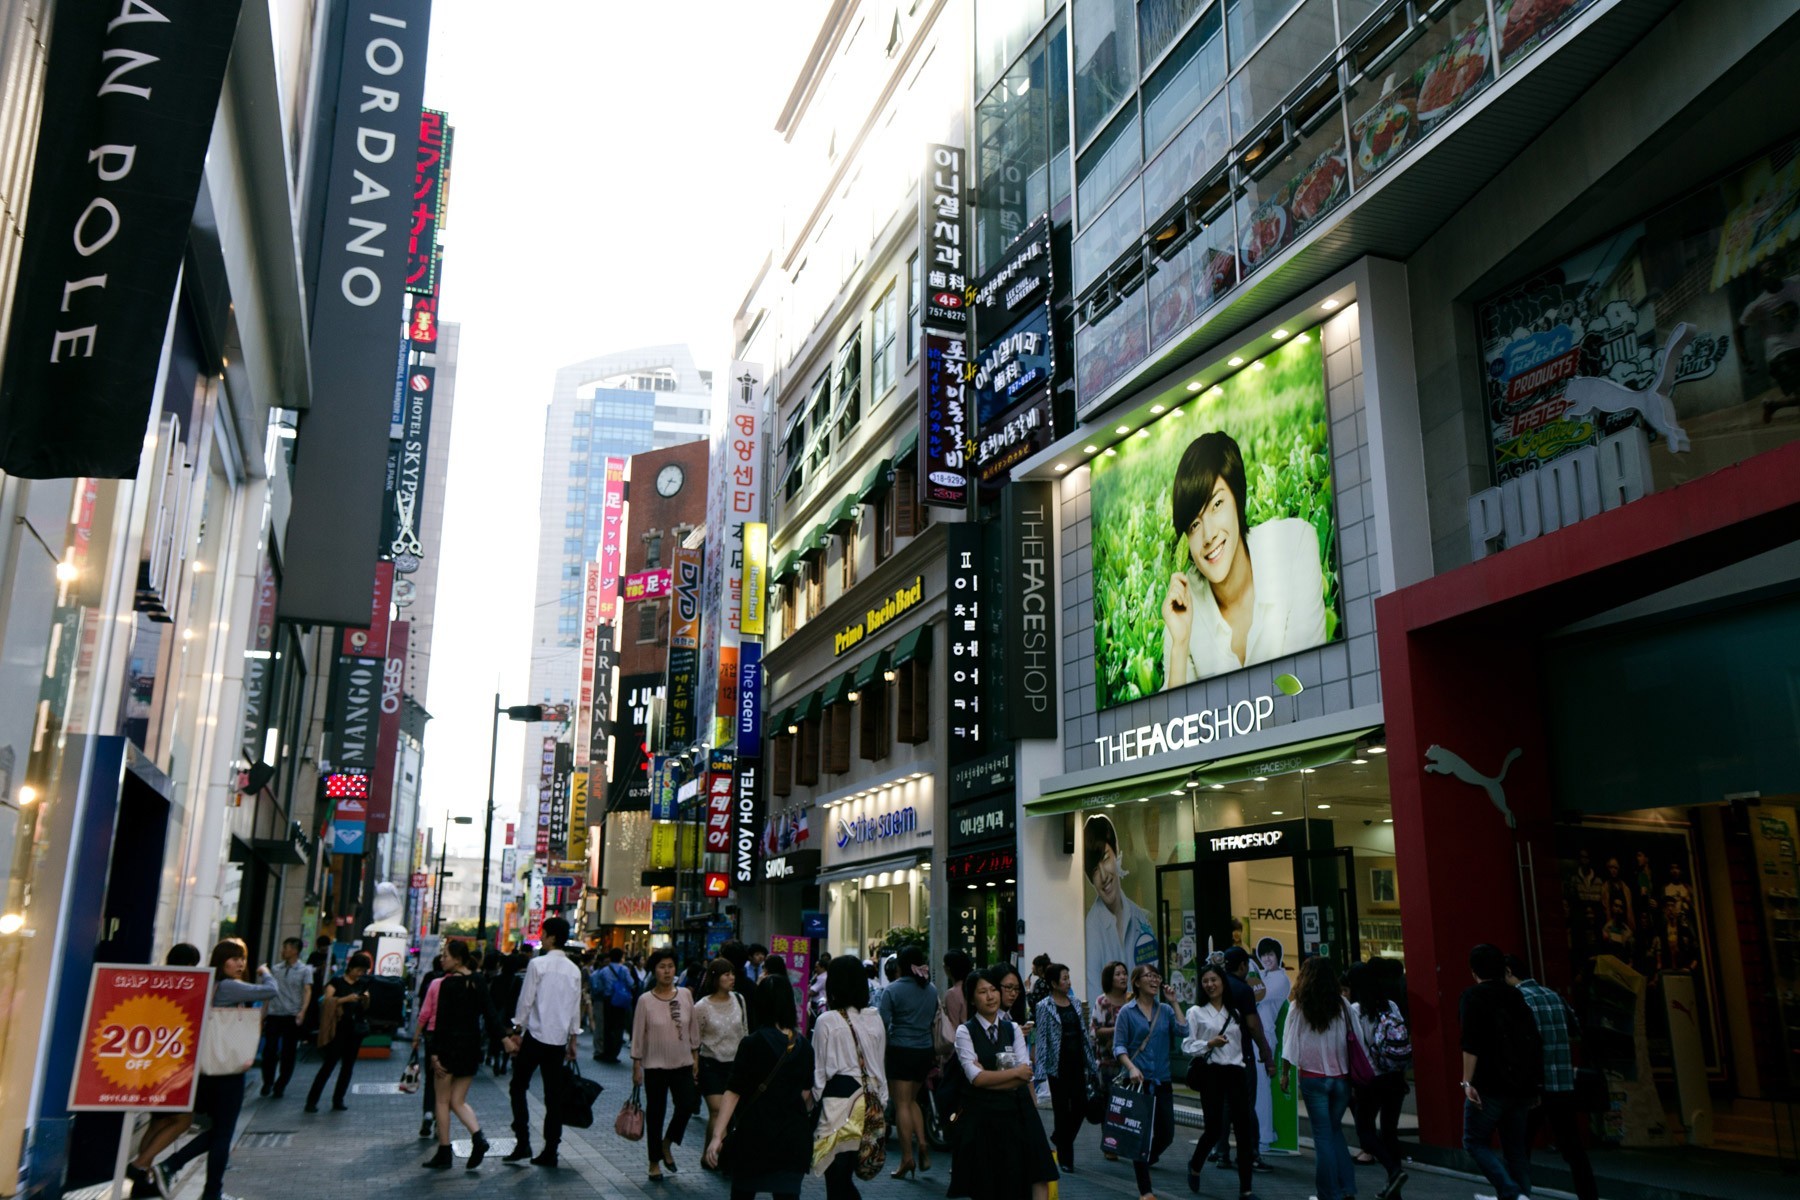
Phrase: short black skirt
(714, 1076)
(458, 1054)
(909, 1065)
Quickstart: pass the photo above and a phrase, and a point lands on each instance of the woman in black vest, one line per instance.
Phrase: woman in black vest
(1001, 1152)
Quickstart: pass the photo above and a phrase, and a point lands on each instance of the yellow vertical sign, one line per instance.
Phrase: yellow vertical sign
(756, 575)
(578, 816)
(662, 845)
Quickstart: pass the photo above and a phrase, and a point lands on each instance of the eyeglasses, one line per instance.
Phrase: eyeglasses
(1009, 987)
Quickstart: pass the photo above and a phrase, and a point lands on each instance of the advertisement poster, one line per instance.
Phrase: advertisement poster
(1231, 491)
(1633, 896)
(1722, 260)
(1120, 851)
(140, 1041)
(796, 952)
(944, 422)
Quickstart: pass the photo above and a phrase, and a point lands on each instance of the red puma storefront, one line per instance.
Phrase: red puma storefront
(1645, 665)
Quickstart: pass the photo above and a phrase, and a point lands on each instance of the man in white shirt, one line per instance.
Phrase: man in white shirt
(545, 1026)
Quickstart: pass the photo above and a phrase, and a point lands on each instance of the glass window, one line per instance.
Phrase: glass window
(912, 307)
(1107, 350)
(1195, 151)
(571, 545)
(1248, 22)
(1108, 163)
(1022, 145)
(1105, 59)
(1310, 180)
(1420, 90)
(578, 495)
(882, 320)
(1160, 20)
(1187, 283)
(1184, 81)
(1290, 58)
(1001, 28)
(1108, 236)
(583, 420)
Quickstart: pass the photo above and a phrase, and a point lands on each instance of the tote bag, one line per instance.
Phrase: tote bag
(228, 1040)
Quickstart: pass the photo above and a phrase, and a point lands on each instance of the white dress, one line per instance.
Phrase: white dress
(1276, 987)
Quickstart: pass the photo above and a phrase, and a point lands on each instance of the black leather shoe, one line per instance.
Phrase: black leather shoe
(519, 1153)
(425, 1128)
(1261, 1165)
(441, 1161)
(478, 1148)
(546, 1159)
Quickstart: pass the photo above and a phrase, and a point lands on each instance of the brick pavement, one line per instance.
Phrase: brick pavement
(374, 1150)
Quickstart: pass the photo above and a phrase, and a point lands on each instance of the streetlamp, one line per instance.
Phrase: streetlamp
(437, 906)
(518, 712)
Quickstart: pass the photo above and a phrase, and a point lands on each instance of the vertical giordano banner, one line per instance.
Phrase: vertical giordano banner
(684, 647)
(358, 306)
(945, 421)
(1029, 619)
(1229, 492)
(129, 98)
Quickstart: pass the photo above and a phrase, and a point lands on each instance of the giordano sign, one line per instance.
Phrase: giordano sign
(903, 600)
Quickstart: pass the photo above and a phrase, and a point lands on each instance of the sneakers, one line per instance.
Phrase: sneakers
(425, 1128)
(166, 1177)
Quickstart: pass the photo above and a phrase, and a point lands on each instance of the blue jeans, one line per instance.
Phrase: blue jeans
(1326, 1098)
(1510, 1170)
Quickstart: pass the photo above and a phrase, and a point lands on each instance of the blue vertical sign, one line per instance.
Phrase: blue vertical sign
(749, 710)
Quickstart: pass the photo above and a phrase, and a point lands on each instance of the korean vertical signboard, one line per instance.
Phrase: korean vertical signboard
(718, 803)
(967, 612)
(431, 179)
(945, 422)
(941, 232)
(604, 653)
(736, 499)
(1013, 358)
(584, 687)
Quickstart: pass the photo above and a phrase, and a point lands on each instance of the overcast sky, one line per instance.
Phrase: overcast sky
(611, 188)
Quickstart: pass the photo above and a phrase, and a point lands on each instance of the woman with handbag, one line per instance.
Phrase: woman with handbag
(1142, 1038)
(849, 1077)
(1115, 994)
(1218, 1072)
(908, 1010)
(760, 1133)
(1316, 1043)
(723, 1017)
(665, 1059)
(229, 1039)
(1063, 1056)
(1376, 1105)
(456, 1006)
(343, 1024)
(1001, 1152)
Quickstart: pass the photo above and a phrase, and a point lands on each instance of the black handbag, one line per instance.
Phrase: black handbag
(1592, 1093)
(575, 1104)
(1094, 1109)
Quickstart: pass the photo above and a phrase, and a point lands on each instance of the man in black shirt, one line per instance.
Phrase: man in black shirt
(342, 1027)
(1241, 998)
(1502, 1066)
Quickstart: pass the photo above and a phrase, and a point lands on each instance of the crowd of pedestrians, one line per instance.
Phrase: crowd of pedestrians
(828, 1076)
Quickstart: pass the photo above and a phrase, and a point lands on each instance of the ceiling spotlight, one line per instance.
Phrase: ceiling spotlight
(1377, 749)
(1011, 881)
(1062, 467)
(1257, 365)
(1195, 386)
(1302, 338)
(1156, 408)
(1279, 334)
(1216, 393)
(1309, 770)
(1218, 787)
(27, 795)
(1387, 820)
(1236, 360)
(1329, 305)
(1142, 433)
(1090, 449)
(1111, 453)
(973, 887)
(1359, 762)
(853, 697)
(1174, 412)
(1324, 806)
(888, 675)
(68, 572)
(12, 922)
(1123, 429)
(1260, 778)
(1274, 812)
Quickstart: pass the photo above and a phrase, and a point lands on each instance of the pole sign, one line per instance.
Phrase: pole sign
(387, 729)
(684, 647)
(578, 816)
(357, 305)
(965, 628)
(409, 470)
(749, 706)
(941, 232)
(1027, 513)
(944, 422)
(140, 1040)
(431, 182)
(129, 98)
(646, 585)
(718, 804)
(756, 575)
(584, 687)
(356, 711)
(746, 822)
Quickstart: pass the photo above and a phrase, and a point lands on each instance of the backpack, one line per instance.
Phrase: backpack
(1390, 1042)
(618, 992)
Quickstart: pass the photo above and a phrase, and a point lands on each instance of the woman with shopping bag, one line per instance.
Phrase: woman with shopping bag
(850, 1079)
(1001, 1152)
(227, 1051)
(761, 1137)
(1142, 1038)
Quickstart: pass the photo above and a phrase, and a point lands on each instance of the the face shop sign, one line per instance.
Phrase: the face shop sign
(1195, 729)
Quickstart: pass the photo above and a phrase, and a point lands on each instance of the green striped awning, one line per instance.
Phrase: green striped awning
(1235, 768)
(916, 644)
(875, 485)
(869, 671)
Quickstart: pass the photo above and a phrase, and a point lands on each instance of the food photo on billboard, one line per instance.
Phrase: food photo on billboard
(1214, 537)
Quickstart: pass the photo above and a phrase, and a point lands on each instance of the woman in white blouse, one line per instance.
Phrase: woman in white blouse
(1215, 1042)
(723, 1020)
(1315, 1042)
(849, 1048)
(1001, 1152)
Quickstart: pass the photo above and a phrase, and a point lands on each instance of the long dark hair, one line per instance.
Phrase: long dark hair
(774, 1003)
(907, 960)
(716, 970)
(225, 951)
(1318, 994)
(846, 986)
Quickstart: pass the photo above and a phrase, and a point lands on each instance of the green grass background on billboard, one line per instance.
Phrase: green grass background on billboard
(1277, 414)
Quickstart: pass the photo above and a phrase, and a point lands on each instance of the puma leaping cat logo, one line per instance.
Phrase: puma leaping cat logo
(1440, 761)
(1656, 404)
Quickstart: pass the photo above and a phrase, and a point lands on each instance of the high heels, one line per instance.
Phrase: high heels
(924, 1159)
(906, 1169)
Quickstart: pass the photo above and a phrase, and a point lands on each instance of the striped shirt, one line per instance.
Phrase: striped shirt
(665, 1033)
(1551, 1014)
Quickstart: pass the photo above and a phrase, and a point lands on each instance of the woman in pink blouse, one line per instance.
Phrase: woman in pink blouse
(665, 1060)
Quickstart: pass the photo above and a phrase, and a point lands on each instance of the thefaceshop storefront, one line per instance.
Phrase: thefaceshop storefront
(1223, 770)
(877, 863)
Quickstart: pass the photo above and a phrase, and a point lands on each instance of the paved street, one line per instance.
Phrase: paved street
(374, 1150)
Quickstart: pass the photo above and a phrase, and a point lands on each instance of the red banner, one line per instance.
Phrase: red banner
(718, 811)
(372, 642)
(612, 539)
(387, 733)
(140, 1042)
